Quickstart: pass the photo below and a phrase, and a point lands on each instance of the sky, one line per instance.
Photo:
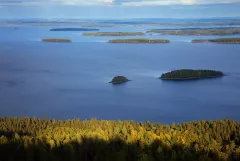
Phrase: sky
(122, 9)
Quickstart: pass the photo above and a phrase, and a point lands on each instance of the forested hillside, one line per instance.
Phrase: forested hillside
(32, 139)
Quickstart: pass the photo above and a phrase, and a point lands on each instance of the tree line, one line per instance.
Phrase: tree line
(33, 139)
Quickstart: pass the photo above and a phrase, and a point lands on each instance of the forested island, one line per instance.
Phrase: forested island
(201, 41)
(33, 139)
(57, 40)
(119, 79)
(73, 29)
(219, 40)
(113, 34)
(197, 31)
(189, 74)
(140, 40)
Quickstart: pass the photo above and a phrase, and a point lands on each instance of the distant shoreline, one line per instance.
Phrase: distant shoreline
(231, 21)
(113, 34)
(140, 40)
(57, 40)
(219, 41)
(197, 31)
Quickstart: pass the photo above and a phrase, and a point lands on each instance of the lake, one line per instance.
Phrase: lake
(70, 80)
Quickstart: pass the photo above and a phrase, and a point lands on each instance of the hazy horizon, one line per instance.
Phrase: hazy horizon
(156, 18)
(109, 9)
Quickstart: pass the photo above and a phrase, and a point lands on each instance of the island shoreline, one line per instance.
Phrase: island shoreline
(192, 78)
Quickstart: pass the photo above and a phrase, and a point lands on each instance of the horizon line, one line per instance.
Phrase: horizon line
(216, 17)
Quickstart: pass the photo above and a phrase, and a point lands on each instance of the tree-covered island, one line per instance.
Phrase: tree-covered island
(113, 34)
(119, 79)
(189, 74)
(219, 40)
(140, 40)
(57, 40)
(197, 31)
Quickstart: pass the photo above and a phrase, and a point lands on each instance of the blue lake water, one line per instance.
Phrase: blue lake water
(70, 80)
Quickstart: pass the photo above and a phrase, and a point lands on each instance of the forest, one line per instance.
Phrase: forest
(57, 40)
(226, 40)
(34, 139)
(190, 74)
(113, 34)
(119, 79)
(197, 31)
(139, 40)
(219, 40)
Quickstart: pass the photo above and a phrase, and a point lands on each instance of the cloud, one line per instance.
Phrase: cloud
(189, 2)
(81, 2)
(175, 2)
(111, 2)
(19, 3)
(54, 2)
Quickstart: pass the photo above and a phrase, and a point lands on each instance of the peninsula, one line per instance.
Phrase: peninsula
(189, 74)
(57, 40)
(113, 34)
(140, 40)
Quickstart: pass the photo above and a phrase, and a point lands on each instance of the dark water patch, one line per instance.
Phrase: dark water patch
(45, 71)
(17, 70)
(21, 70)
(8, 83)
(71, 90)
(235, 75)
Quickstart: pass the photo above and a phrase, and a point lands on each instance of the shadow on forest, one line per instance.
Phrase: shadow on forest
(93, 149)
(10, 133)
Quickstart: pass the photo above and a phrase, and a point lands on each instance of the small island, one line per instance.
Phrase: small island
(73, 29)
(189, 74)
(200, 41)
(119, 79)
(57, 40)
(220, 40)
(113, 34)
(141, 40)
(197, 31)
